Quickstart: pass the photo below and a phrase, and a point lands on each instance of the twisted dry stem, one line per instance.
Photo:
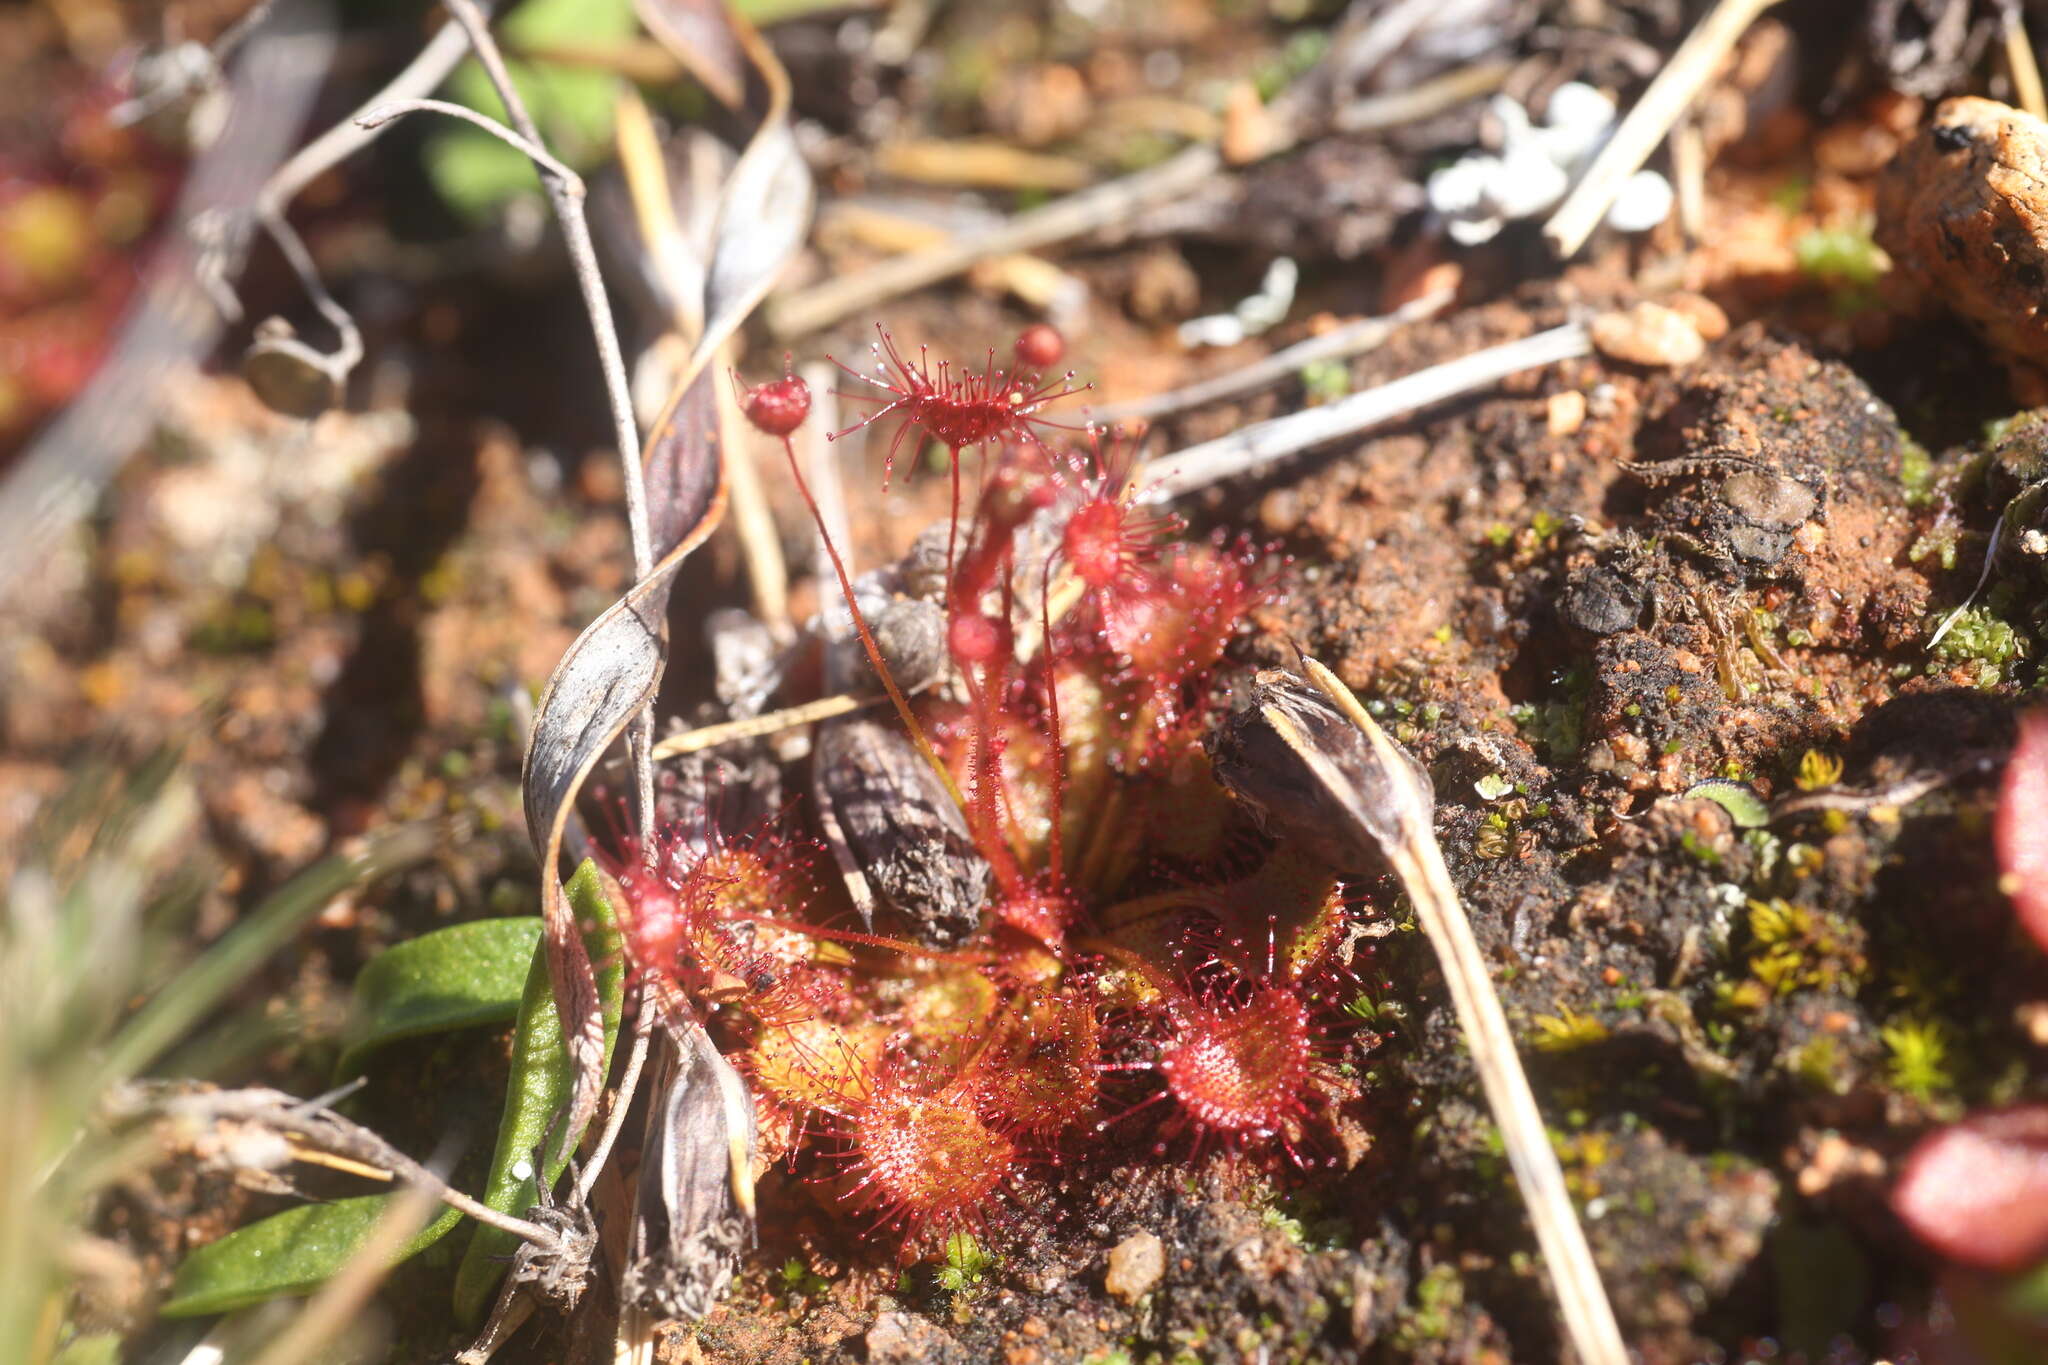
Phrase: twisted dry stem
(318, 1128)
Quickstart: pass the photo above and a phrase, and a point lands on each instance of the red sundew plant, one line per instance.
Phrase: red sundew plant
(1150, 980)
(957, 408)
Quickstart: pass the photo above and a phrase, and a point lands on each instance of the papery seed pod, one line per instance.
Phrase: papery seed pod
(1264, 770)
(911, 634)
(693, 1213)
(896, 832)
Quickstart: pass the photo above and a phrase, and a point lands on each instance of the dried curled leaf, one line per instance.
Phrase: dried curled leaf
(1321, 773)
(613, 670)
(701, 37)
(693, 1214)
(607, 676)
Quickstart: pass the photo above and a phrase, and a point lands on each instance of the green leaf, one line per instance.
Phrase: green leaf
(185, 999)
(1743, 805)
(293, 1252)
(453, 978)
(573, 106)
(95, 1348)
(539, 1089)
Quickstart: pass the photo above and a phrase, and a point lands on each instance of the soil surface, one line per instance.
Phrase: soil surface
(1661, 634)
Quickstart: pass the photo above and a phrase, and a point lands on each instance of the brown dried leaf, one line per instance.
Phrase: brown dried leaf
(699, 34)
(1319, 769)
(611, 671)
(764, 212)
(693, 1214)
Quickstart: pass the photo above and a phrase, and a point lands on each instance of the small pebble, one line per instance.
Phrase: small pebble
(1564, 413)
(1648, 334)
(1135, 1266)
(1703, 312)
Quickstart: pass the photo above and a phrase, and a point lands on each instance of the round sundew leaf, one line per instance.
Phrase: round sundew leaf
(459, 977)
(293, 1252)
(2020, 832)
(1977, 1191)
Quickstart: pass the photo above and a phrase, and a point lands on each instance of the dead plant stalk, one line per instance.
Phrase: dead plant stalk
(1667, 97)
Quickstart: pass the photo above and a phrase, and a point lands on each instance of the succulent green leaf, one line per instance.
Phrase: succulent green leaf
(293, 1252)
(538, 1091)
(1743, 805)
(453, 978)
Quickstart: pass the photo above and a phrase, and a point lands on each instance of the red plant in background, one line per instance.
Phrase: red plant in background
(78, 198)
(1977, 1191)
(2020, 833)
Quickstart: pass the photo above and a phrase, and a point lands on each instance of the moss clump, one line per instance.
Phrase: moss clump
(1917, 472)
(1980, 637)
(1566, 1031)
(1917, 1057)
(1439, 1296)
(1794, 948)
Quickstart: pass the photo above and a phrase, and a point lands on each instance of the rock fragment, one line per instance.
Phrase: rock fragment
(1649, 334)
(1136, 1265)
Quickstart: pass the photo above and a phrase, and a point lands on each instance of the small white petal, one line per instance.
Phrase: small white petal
(1473, 231)
(1218, 329)
(1527, 184)
(1576, 104)
(1644, 202)
(1456, 188)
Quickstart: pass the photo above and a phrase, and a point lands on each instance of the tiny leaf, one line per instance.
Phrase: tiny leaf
(1743, 805)
(293, 1252)
(453, 978)
(538, 1093)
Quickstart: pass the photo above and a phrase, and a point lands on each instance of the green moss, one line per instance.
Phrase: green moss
(1794, 948)
(798, 1278)
(1916, 472)
(1566, 1031)
(1982, 637)
(1820, 1066)
(1917, 1060)
(1325, 381)
(1846, 261)
(1439, 1295)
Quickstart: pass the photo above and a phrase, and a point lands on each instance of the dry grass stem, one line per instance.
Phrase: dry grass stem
(1253, 448)
(1351, 339)
(1668, 96)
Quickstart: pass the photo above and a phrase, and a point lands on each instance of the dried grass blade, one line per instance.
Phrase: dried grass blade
(1348, 783)
(1252, 448)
